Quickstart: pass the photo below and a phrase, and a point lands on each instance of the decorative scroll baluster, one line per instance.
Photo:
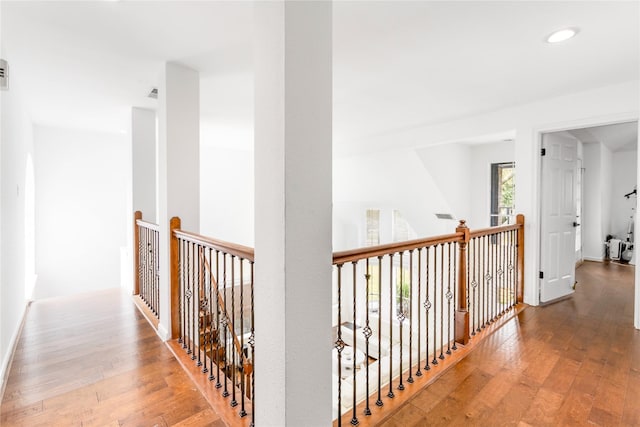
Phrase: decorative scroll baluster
(367, 334)
(243, 367)
(252, 343)
(354, 419)
(441, 356)
(220, 346)
(225, 322)
(401, 317)
(410, 378)
(449, 296)
(435, 305)
(427, 307)
(339, 345)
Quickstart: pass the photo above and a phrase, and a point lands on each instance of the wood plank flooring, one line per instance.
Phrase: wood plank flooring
(574, 362)
(93, 360)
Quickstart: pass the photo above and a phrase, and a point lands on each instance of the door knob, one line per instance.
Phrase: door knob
(575, 224)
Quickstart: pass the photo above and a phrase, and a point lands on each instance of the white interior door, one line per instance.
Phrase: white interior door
(558, 219)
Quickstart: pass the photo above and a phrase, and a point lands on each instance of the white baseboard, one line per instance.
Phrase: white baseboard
(590, 258)
(163, 333)
(7, 358)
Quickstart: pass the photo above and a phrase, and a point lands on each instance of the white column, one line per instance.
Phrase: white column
(293, 102)
(178, 167)
(143, 155)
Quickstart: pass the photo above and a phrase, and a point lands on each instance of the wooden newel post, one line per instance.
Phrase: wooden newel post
(174, 224)
(520, 244)
(136, 253)
(462, 312)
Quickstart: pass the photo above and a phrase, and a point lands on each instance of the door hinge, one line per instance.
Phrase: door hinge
(541, 275)
(543, 151)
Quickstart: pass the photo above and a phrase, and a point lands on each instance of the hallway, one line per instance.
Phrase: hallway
(93, 360)
(575, 362)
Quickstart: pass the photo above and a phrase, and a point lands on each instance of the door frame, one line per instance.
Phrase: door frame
(538, 131)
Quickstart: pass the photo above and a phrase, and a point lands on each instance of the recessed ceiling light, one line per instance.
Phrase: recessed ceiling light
(562, 35)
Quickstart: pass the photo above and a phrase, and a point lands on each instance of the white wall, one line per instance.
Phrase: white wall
(143, 155)
(481, 157)
(389, 180)
(449, 166)
(16, 145)
(81, 200)
(592, 217)
(624, 178)
(226, 194)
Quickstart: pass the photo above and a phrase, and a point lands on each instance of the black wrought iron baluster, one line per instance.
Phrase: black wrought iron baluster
(401, 317)
(435, 305)
(354, 265)
(211, 341)
(454, 279)
(496, 277)
(514, 255)
(181, 269)
(252, 343)
(190, 298)
(225, 323)
(427, 307)
(419, 371)
(485, 279)
(242, 354)
(379, 400)
(367, 334)
(449, 296)
(339, 344)
(391, 298)
(475, 323)
(198, 300)
(204, 309)
(441, 356)
(410, 378)
(232, 326)
(218, 345)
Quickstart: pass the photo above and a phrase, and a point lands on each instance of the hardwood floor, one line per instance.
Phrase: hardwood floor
(93, 360)
(574, 362)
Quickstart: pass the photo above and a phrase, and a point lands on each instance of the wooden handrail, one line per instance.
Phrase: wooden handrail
(373, 251)
(146, 224)
(493, 230)
(230, 327)
(235, 249)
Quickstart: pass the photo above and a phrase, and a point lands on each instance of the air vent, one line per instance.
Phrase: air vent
(4, 75)
(154, 93)
(444, 216)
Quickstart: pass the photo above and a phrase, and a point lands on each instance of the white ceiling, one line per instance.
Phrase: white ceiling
(617, 137)
(396, 64)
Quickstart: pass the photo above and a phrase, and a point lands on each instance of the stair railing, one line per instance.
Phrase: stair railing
(213, 297)
(146, 288)
(401, 309)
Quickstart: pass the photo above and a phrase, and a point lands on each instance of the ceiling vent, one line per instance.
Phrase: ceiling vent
(154, 93)
(4, 75)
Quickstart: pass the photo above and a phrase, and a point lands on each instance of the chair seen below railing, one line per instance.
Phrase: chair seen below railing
(147, 270)
(402, 308)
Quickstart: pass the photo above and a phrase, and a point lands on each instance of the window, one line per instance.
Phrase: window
(502, 193)
(400, 227)
(372, 237)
